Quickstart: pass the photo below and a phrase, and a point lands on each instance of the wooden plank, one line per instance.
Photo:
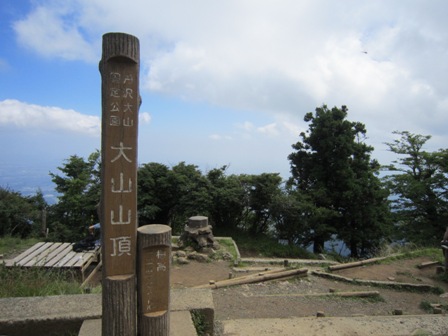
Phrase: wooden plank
(59, 255)
(62, 253)
(86, 281)
(94, 258)
(33, 254)
(54, 254)
(84, 258)
(17, 259)
(79, 259)
(42, 257)
(62, 263)
(76, 259)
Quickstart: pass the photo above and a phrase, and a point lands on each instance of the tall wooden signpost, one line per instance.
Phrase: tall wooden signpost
(119, 68)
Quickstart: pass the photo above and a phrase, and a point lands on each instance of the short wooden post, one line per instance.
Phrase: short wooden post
(445, 249)
(44, 222)
(445, 254)
(153, 269)
(119, 68)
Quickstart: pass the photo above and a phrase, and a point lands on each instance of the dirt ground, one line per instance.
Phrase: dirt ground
(284, 298)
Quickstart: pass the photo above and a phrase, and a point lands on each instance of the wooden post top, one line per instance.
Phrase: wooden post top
(154, 229)
(121, 45)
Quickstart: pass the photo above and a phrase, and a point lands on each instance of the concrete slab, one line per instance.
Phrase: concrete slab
(47, 315)
(90, 328)
(404, 325)
(181, 324)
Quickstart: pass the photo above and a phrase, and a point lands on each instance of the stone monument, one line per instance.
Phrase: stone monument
(198, 233)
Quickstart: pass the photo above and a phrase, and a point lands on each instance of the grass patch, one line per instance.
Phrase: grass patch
(34, 281)
(426, 306)
(10, 246)
(442, 277)
(409, 251)
(227, 245)
(264, 246)
(199, 322)
(429, 308)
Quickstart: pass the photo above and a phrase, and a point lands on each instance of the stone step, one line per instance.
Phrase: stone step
(344, 326)
(181, 324)
(39, 316)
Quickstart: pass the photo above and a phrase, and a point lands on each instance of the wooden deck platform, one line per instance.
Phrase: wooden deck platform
(56, 255)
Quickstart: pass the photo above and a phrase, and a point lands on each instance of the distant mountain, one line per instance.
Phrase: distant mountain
(28, 180)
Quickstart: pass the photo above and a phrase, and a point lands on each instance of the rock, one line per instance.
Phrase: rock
(320, 314)
(391, 278)
(437, 310)
(189, 249)
(181, 254)
(227, 256)
(440, 269)
(183, 261)
(397, 312)
(321, 257)
(207, 250)
(199, 257)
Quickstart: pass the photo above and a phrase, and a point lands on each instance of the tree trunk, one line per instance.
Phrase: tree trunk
(318, 246)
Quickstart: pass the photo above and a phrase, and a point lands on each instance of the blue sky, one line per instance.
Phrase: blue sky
(222, 82)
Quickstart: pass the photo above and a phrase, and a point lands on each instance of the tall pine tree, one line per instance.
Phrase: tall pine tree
(332, 167)
(420, 184)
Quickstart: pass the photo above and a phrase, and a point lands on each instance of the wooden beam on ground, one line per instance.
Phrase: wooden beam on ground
(361, 294)
(358, 263)
(428, 264)
(256, 278)
(387, 284)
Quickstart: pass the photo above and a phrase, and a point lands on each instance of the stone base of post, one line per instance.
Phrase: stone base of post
(119, 313)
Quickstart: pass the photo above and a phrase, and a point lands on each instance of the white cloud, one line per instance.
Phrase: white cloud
(278, 58)
(270, 130)
(54, 31)
(219, 137)
(144, 117)
(29, 116)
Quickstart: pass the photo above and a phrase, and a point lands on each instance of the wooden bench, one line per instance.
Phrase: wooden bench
(57, 256)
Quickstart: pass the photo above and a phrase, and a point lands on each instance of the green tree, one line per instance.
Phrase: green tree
(193, 192)
(79, 195)
(227, 203)
(172, 195)
(20, 215)
(290, 215)
(156, 194)
(419, 182)
(261, 193)
(332, 168)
